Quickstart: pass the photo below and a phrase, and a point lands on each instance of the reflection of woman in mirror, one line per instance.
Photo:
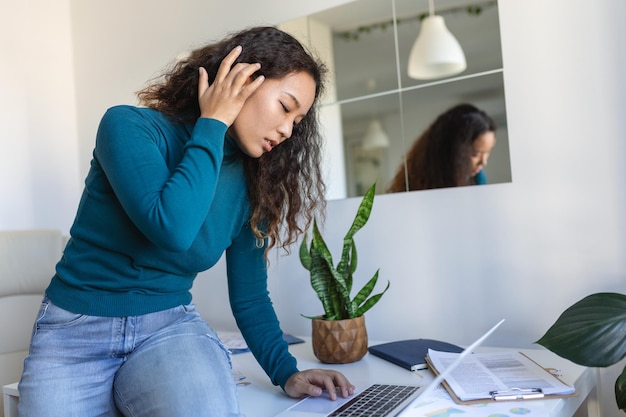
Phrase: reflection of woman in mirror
(451, 152)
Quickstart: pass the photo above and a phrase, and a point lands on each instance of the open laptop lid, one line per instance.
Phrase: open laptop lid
(323, 406)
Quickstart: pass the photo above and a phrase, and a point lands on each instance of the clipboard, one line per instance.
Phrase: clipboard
(513, 394)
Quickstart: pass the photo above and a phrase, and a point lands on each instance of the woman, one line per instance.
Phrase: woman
(451, 152)
(224, 157)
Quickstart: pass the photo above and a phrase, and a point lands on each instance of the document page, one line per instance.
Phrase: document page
(498, 375)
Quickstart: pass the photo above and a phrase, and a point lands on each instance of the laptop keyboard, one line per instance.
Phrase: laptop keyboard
(376, 401)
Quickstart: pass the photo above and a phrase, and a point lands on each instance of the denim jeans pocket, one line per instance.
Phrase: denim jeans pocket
(51, 316)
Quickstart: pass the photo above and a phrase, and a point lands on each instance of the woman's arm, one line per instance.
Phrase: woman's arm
(168, 204)
(253, 310)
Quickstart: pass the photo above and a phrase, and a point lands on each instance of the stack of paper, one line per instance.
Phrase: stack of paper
(508, 375)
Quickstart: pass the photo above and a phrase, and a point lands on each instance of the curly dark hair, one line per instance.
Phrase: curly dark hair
(440, 156)
(285, 186)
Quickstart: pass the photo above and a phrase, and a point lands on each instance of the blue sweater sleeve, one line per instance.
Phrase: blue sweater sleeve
(168, 204)
(253, 309)
(481, 178)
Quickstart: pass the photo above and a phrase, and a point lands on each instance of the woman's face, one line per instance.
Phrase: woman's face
(481, 147)
(268, 116)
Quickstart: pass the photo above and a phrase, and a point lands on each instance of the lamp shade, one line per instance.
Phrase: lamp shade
(375, 136)
(436, 53)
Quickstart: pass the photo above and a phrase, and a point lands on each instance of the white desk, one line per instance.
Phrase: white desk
(10, 397)
(262, 399)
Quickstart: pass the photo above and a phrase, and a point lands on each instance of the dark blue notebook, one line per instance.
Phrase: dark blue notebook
(411, 354)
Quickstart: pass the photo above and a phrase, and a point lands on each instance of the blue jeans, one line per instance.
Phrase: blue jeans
(169, 363)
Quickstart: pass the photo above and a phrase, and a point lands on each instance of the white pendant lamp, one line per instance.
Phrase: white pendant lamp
(436, 53)
(375, 136)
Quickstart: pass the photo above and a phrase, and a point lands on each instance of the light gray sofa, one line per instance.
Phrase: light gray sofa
(27, 260)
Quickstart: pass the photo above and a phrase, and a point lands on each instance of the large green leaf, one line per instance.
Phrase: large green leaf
(620, 390)
(592, 332)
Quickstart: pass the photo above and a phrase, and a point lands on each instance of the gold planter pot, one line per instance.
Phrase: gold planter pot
(339, 341)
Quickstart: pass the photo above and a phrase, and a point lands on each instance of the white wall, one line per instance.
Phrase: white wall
(39, 183)
(459, 259)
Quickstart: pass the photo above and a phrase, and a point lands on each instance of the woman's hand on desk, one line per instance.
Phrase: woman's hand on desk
(313, 382)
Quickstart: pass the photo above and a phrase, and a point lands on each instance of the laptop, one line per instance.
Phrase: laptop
(401, 395)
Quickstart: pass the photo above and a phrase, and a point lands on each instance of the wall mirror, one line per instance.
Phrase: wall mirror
(366, 44)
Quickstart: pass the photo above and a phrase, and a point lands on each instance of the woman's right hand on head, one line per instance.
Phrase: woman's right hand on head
(224, 99)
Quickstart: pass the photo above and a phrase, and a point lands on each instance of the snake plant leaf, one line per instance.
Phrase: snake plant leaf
(592, 332)
(344, 266)
(371, 302)
(366, 290)
(362, 216)
(320, 247)
(324, 277)
(352, 262)
(363, 212)
(322, 281)
(343, 306)
(333, 285)
(305, 256)
(620, 391)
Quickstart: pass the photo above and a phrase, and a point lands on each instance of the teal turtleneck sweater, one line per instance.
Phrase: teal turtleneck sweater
(162, 202)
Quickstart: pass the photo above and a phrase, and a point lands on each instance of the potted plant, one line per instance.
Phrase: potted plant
(339, 335)
(592, 332)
